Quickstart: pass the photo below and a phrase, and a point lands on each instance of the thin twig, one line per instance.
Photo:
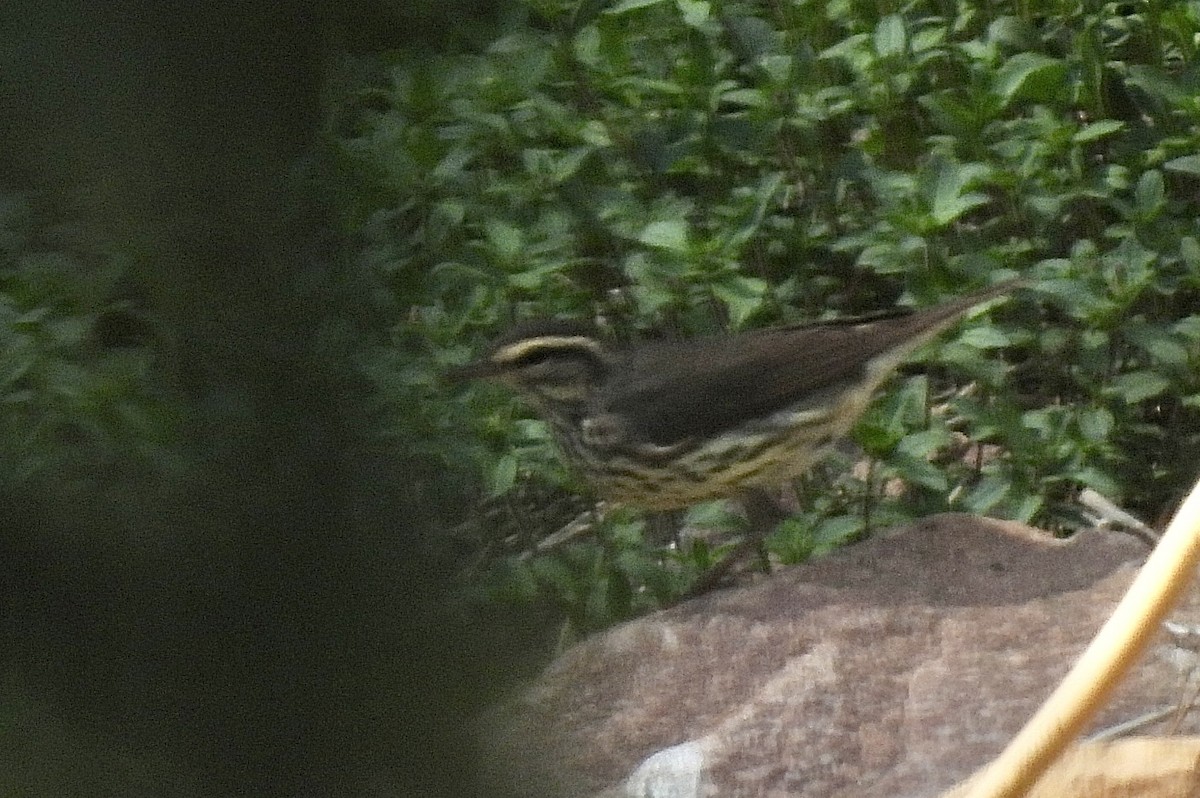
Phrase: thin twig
(1134, 724)
(583, 524)
(1110, 514)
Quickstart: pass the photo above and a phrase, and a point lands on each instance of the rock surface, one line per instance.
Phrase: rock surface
(895, 667)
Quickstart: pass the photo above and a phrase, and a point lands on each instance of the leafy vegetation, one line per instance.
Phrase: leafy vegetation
(680, 167)
(80, 381)
(685, 166)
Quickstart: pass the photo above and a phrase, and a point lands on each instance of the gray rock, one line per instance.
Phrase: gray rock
(894, 667)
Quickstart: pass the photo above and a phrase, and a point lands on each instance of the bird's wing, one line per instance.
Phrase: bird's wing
(673, 392)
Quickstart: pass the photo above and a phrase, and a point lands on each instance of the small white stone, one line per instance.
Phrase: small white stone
(671, 773)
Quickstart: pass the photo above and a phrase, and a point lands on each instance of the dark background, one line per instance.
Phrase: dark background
(264, 627)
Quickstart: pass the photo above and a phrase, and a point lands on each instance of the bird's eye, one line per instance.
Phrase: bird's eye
(553, 360)
(534, 358)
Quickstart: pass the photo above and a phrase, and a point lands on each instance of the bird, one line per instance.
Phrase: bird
(667, 424)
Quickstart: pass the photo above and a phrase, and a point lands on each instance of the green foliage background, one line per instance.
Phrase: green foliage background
(240, 489)
(689, 166)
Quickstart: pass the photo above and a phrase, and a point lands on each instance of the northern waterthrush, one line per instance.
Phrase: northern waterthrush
(667, 424)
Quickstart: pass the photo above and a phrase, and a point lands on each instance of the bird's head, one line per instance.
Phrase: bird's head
(552, 363)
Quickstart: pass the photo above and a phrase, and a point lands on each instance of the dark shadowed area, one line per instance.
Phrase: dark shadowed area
(252, 611)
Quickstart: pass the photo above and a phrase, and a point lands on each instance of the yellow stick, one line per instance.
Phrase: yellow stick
(1112, 652)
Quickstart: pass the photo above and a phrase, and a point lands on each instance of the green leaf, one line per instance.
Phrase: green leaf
(503, 476)
(792, 540)
(695, 12)
(651, 299)
(876, 437)
(743, 296)
(1188, 327)
(630, 5)
(1027, 508)
(608, 600)
(1013, 32)
(777, 67)
(594, 132)
(1030, 76)
(836, 531)
(850, 49)
(713, 515)
(987, 493)
(920, 471)
(1137, 386)
(1096, 424)
(891, 39)
(753, 39)
(1097, 480)
(670, 234)
(1158, 83)
(505, 240)
(31, 318)
(452, 165)
(1166, 351)
(443, 218)
(924, 443)
(1150, 193)
(16, 361)
(1188, 164)
(986, 337)
(533, 279)
(586, 45)
(1097, 130)
(763, 194)
(950, 198)
(1189, 251)
(747, 98)
(69, 330)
